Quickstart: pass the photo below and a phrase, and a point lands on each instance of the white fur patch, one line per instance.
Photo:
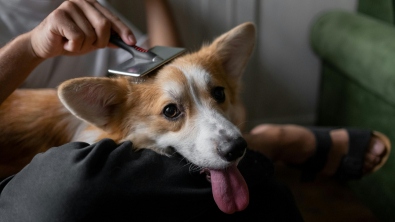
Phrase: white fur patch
(172, 89)
(202, 134)
(78, 132)
(198, 78)
(88, 135)
(73, 124)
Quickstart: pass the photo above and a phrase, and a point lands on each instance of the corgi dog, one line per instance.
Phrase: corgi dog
(190, 106)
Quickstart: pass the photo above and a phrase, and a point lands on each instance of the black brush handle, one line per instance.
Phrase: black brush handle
(136, 51)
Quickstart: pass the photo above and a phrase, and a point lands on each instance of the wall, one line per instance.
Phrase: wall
(282, 79)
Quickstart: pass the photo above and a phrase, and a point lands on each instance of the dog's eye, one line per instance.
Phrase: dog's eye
(219, 94)
(171, 111)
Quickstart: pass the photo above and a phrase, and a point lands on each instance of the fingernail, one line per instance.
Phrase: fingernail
(131, 39)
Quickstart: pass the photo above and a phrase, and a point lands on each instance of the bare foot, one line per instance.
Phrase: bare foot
(295, 144)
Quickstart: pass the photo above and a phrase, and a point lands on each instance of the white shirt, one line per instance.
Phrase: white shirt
(20, 16)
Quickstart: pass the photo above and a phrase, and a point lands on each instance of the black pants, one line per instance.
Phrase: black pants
(109, 182)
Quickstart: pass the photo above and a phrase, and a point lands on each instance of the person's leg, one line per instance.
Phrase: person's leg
(296, 144)
(109, 182)
(160, 23)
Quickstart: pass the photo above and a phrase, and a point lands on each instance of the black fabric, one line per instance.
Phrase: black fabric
(317, 162)
(351, 164)
(109, 182)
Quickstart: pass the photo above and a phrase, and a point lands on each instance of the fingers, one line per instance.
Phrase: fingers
(117, 25)
(103, 21)
(89, 36)
(65, 26)
(77, 27)
(110, 45)
(100, 23)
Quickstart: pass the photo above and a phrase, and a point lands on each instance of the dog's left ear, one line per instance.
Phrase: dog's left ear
(95, 100)
(234, 48)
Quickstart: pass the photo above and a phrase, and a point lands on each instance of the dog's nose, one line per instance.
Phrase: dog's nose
(233, 149)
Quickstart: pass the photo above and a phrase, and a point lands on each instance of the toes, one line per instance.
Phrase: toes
(371, 158)
(376, 147)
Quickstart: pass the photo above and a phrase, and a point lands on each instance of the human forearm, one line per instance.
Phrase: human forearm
(75, 28)
(160, 24)
(17, 61)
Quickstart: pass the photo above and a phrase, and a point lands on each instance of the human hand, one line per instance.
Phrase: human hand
(77, 27)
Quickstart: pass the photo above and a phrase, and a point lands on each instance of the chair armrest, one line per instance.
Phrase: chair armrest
(361, 47)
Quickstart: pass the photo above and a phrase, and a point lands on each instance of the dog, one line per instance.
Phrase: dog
(190, 106)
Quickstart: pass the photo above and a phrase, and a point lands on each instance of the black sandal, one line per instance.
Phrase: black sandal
(351, 164)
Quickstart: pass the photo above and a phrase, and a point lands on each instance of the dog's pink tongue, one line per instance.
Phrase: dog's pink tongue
(230, 190)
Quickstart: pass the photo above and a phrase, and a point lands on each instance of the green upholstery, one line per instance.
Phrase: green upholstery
(379, 9)
(358, 90)
(361, 47)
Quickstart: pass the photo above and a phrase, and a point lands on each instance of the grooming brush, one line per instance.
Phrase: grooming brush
(143, 61)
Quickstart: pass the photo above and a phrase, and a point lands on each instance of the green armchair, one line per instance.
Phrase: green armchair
(358, 87)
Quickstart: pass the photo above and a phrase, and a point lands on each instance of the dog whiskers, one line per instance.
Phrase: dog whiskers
(188, 163)
(181, 160)
(192, 167)
(241, 123)
(195, 168)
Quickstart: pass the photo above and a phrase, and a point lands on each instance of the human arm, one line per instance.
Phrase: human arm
(76, 27)
(160, 24)
(17, 61)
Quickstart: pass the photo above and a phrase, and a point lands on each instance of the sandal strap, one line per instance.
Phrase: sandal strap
(352, 163)
(317, 162)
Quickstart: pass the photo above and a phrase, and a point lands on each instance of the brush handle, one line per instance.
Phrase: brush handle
(136, 51)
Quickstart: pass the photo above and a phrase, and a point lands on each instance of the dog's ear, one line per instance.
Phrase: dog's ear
(234, 48)
(95, 100)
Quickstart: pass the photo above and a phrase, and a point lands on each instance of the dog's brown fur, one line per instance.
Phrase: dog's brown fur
(32, 121)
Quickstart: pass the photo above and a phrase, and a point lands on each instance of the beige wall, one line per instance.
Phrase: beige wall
(282, 78)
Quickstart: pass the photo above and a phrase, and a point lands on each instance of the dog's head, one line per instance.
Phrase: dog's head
(190, 105)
